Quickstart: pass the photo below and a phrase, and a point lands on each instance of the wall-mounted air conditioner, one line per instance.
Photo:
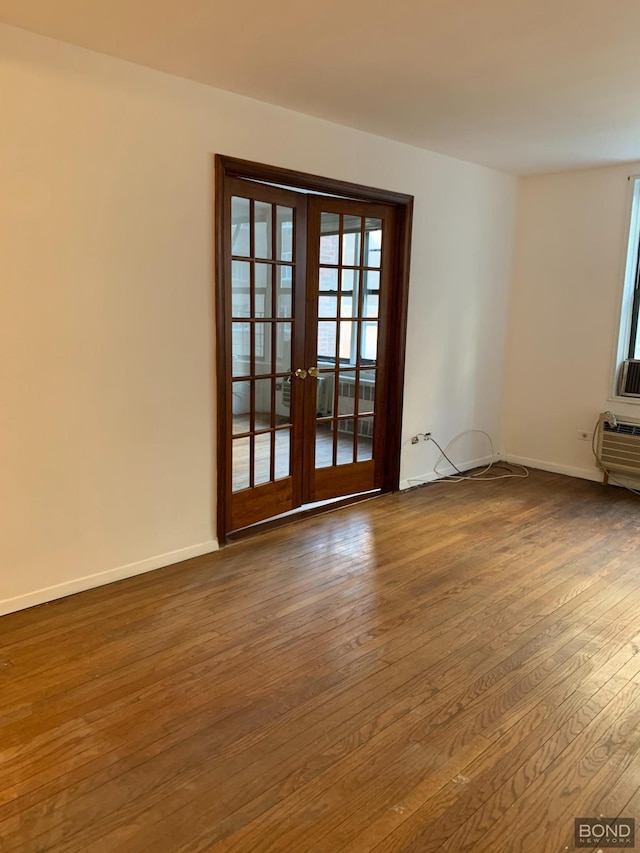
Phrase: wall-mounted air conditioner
(618, 446)
(630, 378)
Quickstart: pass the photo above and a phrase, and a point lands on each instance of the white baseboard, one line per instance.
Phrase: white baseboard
(447, 471)
(582, 473)
(40, 596)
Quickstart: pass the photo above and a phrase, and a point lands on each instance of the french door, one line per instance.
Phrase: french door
(306, 304)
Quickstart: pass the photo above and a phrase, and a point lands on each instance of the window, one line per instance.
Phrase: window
(629, 337)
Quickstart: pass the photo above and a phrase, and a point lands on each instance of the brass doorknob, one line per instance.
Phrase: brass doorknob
(314, 371)
(301, 373)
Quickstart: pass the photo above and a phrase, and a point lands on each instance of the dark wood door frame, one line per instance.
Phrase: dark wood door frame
(229, 167)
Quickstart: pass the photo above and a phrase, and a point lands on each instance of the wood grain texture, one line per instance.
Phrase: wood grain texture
(454, 668)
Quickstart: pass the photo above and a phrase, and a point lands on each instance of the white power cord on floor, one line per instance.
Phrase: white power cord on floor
(478, 476)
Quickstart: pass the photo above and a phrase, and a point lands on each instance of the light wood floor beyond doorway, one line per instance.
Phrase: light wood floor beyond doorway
(455, 668)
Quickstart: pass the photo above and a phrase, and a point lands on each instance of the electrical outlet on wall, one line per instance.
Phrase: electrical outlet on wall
(583, 435)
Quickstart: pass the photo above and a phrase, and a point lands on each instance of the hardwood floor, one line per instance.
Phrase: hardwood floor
(455, 668)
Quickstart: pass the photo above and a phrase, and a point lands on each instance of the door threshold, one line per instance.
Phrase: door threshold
(301, 512)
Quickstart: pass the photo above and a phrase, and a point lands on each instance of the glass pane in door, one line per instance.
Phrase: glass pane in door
(282, 453)
(263, 294)
(284, 234)
(365, 439)
(351, 235)
(262, 327)
(347, 346)
(241, 463)
(328, 295)
(262, 229)
(240, 226)
(330, 238)
(324, 444)
(371, 293)
(262, 459)
(283, 347)
(284, 296)
(327, 343)
(372, 242)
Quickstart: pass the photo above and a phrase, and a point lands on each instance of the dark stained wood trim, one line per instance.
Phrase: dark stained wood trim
(310, 313)
(397, 345)
(299, 392)
(288, 177)
(223, 354)
(232, 167)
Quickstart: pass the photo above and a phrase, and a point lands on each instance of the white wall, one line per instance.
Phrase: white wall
(460, 276)
(571, 241)
(107, 433)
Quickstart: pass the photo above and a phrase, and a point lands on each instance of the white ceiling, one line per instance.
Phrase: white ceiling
(519, 85)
